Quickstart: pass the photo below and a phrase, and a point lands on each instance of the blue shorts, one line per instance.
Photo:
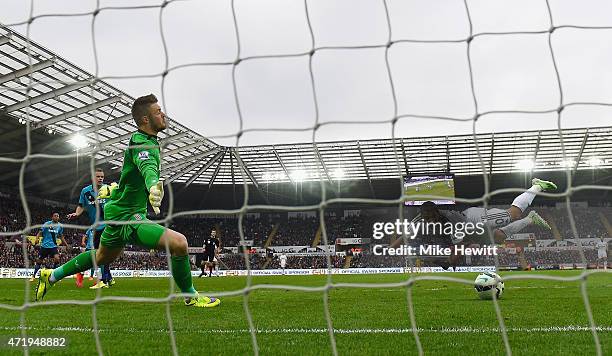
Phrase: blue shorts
(47, 252)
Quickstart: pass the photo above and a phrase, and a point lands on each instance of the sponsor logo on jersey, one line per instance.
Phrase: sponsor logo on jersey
(142, 155)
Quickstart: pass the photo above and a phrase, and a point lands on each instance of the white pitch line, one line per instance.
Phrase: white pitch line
(399, 289)
(455, 330)
(543, 287)
(402, 289)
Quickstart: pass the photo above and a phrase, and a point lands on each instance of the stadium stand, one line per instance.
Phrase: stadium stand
(297, 230)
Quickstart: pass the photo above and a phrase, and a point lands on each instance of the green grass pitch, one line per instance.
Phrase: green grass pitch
(437, 188)
(543, 318)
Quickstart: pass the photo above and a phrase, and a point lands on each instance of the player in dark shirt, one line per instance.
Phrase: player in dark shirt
(211, 250)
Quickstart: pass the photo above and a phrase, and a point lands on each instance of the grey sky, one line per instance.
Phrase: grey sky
(511, 72)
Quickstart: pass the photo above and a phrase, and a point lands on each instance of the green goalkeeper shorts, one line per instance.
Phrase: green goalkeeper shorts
(142, 233)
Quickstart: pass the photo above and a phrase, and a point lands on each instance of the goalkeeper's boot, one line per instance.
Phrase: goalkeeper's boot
(112, 282)
(544, 184)
(208, 302)
(203, 302)
(43, 284)
(99, 285)
(538, 220)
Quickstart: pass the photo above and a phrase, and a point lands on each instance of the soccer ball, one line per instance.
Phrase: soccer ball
(487, 284)
(106, 190)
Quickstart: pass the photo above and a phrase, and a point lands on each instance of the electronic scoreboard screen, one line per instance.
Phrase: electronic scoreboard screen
(441, 185)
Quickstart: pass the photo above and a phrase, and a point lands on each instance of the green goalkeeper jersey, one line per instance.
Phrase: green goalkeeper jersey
(141, 167)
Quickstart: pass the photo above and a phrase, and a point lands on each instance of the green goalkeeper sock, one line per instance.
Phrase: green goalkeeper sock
(181, 272)
(80, 263)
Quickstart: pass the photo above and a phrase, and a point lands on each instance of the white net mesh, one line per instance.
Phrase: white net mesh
(390, 41)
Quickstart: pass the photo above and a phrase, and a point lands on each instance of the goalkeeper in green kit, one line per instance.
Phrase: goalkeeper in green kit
(138, 184)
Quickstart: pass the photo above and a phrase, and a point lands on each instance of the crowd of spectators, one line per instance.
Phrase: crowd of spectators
(553, 257)
(237, 261)
(143, 261)
(303, 231)
(13, 219)
(587, 220)
(308, 262)
(197, 228)
(11, 254)
(291, 231)
(296, 232)
(539, 257)
(366, 260)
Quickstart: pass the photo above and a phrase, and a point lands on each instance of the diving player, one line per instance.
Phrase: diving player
(504, 223)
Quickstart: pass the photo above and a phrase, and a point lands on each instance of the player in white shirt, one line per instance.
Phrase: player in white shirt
(283, 261)
(503, 222)
(602, 254)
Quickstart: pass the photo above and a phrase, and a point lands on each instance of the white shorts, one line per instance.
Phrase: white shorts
(283, 264)
(602, 256)
(494, 217)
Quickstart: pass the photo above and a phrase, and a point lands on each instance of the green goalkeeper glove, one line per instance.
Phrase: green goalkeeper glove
(106, 190)
(156, 194)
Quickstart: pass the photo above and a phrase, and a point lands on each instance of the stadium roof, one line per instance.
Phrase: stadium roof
(505, 152)
(57, 96)
(67, 101)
